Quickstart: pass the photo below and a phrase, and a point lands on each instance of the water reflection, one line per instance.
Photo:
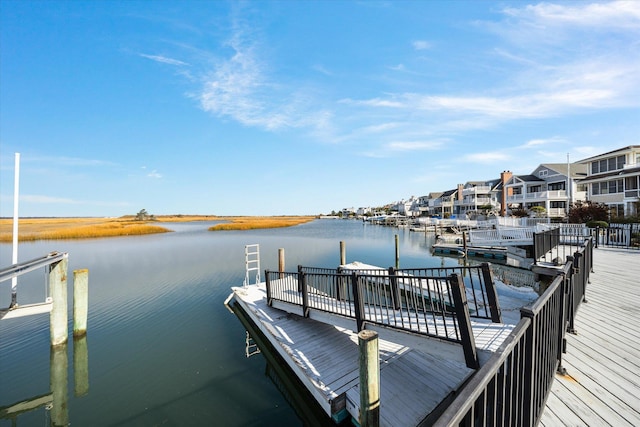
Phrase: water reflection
(163, 347)
(56, 402)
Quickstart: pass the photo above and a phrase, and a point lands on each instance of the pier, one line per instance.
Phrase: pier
(601, 385)
(442, 361)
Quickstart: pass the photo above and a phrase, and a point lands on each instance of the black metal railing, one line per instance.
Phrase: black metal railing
(434, 306)
(479, 284)
(554, 245)
(512, 387)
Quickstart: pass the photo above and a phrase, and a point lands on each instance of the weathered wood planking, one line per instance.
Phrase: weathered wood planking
(325, 358)
(603, 360)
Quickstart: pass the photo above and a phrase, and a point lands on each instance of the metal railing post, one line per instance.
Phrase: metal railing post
(267, 278)
(302, 281)
(395, 291)
(464, 321)
(357, 301)
(492, 294)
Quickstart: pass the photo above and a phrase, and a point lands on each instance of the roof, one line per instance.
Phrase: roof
(628, 147)
(613, 174)
(577, 169)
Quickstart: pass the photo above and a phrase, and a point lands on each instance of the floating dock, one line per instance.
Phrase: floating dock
(472, 251)
(418, 374)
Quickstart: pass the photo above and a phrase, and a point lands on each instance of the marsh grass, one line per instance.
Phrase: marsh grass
(258, 222)
(32, 229)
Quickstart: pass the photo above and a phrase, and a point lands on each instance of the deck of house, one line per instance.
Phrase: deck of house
(602, 385)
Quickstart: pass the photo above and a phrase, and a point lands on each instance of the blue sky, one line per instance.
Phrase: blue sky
(301, 107)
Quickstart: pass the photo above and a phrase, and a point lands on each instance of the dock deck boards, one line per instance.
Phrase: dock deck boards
(325, 359)
(602, 385)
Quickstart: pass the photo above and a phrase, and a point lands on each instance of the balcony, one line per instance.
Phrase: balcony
(480, 189)
(538, 196)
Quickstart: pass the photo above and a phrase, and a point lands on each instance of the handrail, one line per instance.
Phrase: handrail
(506, 367)
(433, 306)
(19, 269)
(512, 387)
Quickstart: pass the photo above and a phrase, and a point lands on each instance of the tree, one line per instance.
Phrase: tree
(583, 212)
(539, 211)
(143, 215)
(519, 212)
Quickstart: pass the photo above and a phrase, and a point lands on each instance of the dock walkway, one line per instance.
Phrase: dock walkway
(602, 385)
(325, 360)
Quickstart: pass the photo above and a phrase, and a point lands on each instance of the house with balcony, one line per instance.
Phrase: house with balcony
(613, 178)
(426, 204)
(553, 186)
(443, 206)
(475, 196)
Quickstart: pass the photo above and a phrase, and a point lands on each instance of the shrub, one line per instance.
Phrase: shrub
(583, 212)
(594, 224)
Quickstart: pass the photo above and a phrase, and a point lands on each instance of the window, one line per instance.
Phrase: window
(556, 186)
(609, 187)
(543, 172)
(608, 165)
(558, 205)
(631, 183)
(534, 189)
(616, 211)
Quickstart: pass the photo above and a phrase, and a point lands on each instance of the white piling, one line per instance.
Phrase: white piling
(14, 257)
(59, 316)
(80, 302)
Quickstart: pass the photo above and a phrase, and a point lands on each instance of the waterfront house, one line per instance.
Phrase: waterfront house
(553, 186)
(474, 196)
(443, 205)
(613, 178)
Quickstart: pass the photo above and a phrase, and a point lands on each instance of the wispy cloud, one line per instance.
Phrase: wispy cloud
(414, 145)
(154, 174)
(34, 198)
(421, 45)
(164, 60)
(617, 14)
(66, 161)
(553, 74)
(535, 143)
(489, 157)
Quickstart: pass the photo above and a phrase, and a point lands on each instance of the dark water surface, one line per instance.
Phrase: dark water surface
(162, 347)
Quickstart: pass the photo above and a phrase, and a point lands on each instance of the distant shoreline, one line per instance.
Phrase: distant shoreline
(72, 228)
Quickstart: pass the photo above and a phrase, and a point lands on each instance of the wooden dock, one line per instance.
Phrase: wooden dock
(602, 385)
(417, 373)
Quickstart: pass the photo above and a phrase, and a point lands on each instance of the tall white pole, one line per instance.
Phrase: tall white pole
(569, 185)
(14, 259)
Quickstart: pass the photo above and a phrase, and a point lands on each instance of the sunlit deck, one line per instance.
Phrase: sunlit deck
(602, 385)
(325, 359)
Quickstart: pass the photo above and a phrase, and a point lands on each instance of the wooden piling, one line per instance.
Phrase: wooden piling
(369, 378)
(343, 253)
(464, 242)
(80, 302)
(58, 317)
(281, 262)
(397, 252)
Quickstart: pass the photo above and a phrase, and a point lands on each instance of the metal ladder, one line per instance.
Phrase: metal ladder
(252, 262)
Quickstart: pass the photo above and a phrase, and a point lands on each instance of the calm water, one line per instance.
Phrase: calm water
(162, 347)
